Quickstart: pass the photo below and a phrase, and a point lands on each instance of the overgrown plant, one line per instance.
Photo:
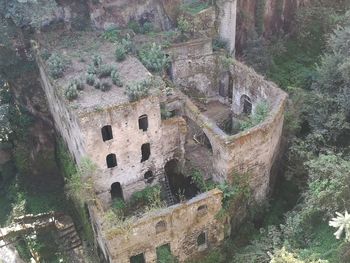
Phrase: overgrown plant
(153, 58)
(261, 112)
(57, 64)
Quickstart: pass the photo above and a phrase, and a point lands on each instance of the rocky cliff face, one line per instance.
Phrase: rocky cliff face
(267, 17)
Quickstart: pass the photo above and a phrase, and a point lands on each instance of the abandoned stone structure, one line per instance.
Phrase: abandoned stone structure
(135, 146)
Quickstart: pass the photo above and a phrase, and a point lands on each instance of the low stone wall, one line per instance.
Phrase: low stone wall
(180, 227)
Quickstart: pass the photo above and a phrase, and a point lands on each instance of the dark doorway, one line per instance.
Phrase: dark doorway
(140, 258)
(107, 133)
(149, 177)
(145, 151)
(180, 185)
(117, 191)
(201, 239)
(230, 87)
(246, 105)
(169, 69)
(111, 160)
(143, 122)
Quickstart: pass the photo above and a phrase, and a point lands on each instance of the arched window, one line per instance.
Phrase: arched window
(111, 160)
(145, 151)
(116, 191)
(246, 104)
(160, 227)
(149, 177)
(143, 122)
(202, 210)
(201, 239)
(107, 133)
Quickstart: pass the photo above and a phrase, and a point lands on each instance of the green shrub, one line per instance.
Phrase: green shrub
(153, 58)
(97, 61)
(134, 26)
(105, 71)
(71, 92)
(184, 25)
(90, 79)
(148, 197)
(120, 52)
(78, 83)
(111, 35)
(105, 86)
(97, 84)
(226, 62)
(138, 90)
(259, 115)
(164, 255)
(219, 43)
(116, 78)
(147, 27)
(56, 66)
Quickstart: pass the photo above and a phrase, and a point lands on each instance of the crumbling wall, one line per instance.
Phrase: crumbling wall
(161, 13)
(126, 144)
(184, 222)
(193, 65)
(253, 151)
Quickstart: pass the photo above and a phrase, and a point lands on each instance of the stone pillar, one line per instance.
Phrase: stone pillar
(227, 22)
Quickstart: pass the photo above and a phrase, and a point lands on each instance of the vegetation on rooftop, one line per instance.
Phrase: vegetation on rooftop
(258, 116)
(153, 58)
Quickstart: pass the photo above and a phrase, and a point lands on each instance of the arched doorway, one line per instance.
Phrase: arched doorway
(116, 191)
(181, 186)
(246, 105)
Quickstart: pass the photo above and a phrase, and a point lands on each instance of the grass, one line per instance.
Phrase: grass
(195, 6)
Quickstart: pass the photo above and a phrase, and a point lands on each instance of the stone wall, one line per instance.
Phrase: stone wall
(193, 65)
(66, 123)
(166, 140)
(161, 13)
(227, 22)
(184, 222)
(253, 151)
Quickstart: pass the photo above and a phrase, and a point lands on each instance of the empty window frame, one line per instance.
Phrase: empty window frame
(111, 160)
(145, 151)
(246, 105)
(107, 133)
(143, 122)
(149, 177)
(140, 258)
(202, 210)
(160, 227)
(201, 239)
(116, 191)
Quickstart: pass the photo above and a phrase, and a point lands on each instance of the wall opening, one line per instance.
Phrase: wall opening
(169, 69)
(116, 191)
(202, 210)
(160, 227)
(143, 122)
(181, 186)
(140, 258)
(230, 87)
(107, 133)
(201, 239)
(145, 151)
(148, 177)
(111, 160)
(246, 105)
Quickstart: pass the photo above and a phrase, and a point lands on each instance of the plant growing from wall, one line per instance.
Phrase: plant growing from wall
(71, 92)
(164, 255)
(120, 52)
(138, 90)
(153, 58)
(226, 62)
(56, 65)
(116, 78)
(261, 112)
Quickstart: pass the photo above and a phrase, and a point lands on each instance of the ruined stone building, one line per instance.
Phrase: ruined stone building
(135, 145)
